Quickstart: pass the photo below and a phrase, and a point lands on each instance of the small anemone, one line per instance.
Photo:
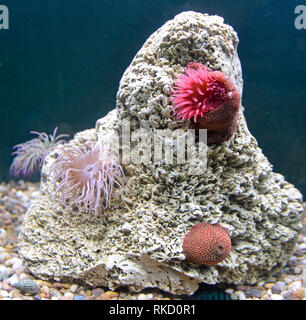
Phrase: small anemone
(85, 176)
(30, 155)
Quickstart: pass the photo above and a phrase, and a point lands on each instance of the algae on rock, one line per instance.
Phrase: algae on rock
(137, 242)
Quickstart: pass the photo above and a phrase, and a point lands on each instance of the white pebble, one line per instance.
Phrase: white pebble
(3, 256)
(4, 268)
(293, 286)
(35, 194)
(241, 296)
(68, 295)
(73, 288)
(142, 297)
(238, 295)
(2, 233)
(229, 291)
(276, 297)
(13, 279)
(302, 246)
(23, 276)
(297, 270)
(4, 293)
(15, 262)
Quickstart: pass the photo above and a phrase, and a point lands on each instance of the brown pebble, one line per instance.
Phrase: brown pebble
(242, 288)
(97, 292)
(299, 294)
(265, 297)
(103, 296)
(16, 294)
(43, 283)
(112, 294)
(57, 285)
(44, 290)
(42, 295)
(268, 285)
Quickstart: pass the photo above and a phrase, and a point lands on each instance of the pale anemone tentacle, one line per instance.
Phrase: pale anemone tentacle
(29, 156)
(85, 176)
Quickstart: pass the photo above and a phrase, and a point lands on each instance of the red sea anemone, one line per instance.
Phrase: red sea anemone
(86, 176)
(209, 99)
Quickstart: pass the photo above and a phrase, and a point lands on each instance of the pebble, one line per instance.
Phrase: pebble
(253, 292)
(278, 287)
(2, 234)
(44, 290)
(293, 286)
(13, 279)
(67, 296)
(112, 294)
(299, 294)
(15, 263)
(269, 285)
(287, 295)
(97, 292)
(55, 293)
(4, 273)
(229, 290)
(4, 293)
(276, 296)
(103, 296)
(57, 285)
(73, 288)
(238, 295)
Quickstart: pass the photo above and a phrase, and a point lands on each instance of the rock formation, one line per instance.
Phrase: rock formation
(137, 241)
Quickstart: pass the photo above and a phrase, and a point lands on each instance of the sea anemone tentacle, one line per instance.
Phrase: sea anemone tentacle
(30, 155)
(209, 99)
(85, 176)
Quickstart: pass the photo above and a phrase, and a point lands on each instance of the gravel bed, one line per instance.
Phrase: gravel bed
(16, 283)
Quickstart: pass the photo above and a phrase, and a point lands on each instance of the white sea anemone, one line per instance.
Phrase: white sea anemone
(86, 175)
(31, 154)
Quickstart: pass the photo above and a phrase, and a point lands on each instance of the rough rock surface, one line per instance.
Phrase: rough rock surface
(137, 242)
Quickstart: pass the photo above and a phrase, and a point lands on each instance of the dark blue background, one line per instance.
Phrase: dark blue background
(61, 62)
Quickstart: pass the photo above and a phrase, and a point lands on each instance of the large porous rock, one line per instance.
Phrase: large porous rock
(137, 242)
